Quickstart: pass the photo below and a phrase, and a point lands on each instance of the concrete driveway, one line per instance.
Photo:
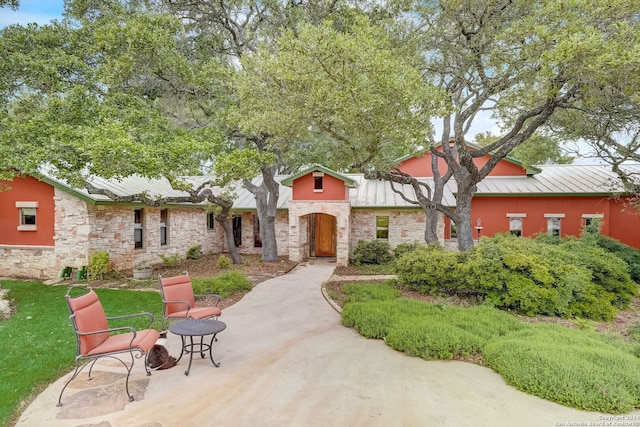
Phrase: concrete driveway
(287, 361)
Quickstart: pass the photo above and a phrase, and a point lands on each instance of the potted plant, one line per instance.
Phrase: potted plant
(142, 272)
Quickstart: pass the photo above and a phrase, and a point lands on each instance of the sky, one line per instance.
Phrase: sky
(39, 11)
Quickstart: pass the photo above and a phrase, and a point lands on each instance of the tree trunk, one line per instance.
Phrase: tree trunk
(431, 227)
(266, 195)
(224, 220)
(462, 216)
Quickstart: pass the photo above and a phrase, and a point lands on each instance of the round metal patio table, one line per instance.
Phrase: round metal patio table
(197, 328)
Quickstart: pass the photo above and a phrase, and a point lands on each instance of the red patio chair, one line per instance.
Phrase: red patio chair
(94, 338)
(179, 301)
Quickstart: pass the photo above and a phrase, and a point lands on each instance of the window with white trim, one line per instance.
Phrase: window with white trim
(516, 221)
(138, 228)
(554, 224)
(27, 212)
(382, 227)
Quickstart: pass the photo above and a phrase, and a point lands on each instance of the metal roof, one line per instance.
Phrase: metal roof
(559, 180)
(552, 180)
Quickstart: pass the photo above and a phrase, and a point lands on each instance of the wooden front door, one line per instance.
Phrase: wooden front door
(325, 235)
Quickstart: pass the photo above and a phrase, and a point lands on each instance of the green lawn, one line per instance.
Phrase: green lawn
(37, 344)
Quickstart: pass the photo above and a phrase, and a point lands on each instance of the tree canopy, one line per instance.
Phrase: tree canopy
(171, 87)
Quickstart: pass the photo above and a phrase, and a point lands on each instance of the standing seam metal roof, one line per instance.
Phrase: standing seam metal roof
(568, 180)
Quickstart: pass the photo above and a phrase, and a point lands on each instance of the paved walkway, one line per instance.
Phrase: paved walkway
(287, 361)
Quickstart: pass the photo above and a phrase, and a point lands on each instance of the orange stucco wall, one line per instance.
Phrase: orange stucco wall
(421, 166)
(27, 189)
(620, 223)
(493, 213)
(624, 223)
(333, 189)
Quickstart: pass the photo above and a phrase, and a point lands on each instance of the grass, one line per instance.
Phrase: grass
(579, 368)
(37, 344)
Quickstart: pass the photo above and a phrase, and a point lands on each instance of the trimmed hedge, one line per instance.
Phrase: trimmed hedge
(579, 369)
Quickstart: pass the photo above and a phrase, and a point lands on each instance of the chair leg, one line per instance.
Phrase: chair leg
(91, 368)
(75, 374)
(146, 366)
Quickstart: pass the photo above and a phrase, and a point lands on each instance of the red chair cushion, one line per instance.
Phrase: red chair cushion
(177, 288)
(89, 316)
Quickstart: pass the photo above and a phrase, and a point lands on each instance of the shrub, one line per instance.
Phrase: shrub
(429, 269)
(565, 279)
(625, 252)
(99, 264)
(372, 252)
(580, 369)
(223, 262)
(608, 271)
(170, 261)
(224, 284)
(404, 248)
(194, 252)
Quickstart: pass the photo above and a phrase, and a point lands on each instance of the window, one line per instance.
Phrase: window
(237, 231)
(211, 221)
(27, 213)
(318, 178)
(591, 222)
(257, 241)
(453, 230)
(382, 227)
(515, 223)
(515, 226)
(164, 229)
(554, 224)
(138, 231)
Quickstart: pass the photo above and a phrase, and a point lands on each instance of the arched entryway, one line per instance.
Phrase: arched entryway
(319, 229)
(322, 237)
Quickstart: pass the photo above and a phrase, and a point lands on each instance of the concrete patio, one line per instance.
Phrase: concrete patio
(287, 361)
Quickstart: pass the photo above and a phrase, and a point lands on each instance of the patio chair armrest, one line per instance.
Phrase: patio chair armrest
(122, 328)
(178, 302)
(129, 316)
(215, 296)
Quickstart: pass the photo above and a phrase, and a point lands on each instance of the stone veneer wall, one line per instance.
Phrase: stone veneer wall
(28, 261)
(81, 230)
(405, 226)
(114, 228)
(299, 227)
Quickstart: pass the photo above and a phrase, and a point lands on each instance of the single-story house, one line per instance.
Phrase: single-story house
(47, 225)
